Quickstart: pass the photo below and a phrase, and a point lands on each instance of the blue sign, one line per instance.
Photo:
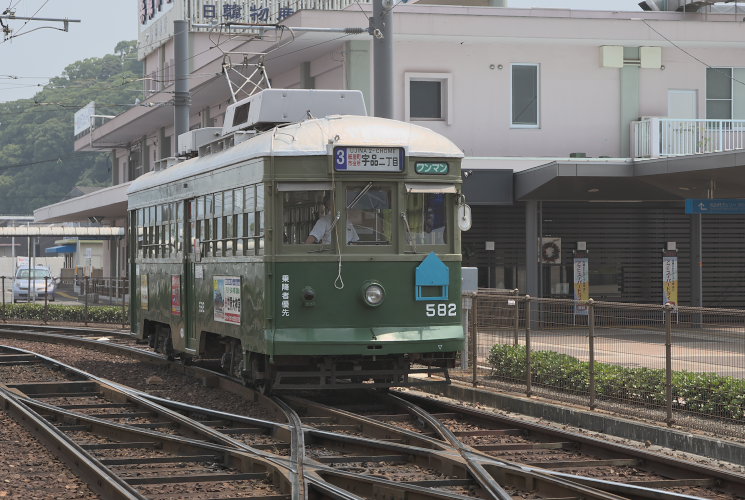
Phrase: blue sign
(715, 206)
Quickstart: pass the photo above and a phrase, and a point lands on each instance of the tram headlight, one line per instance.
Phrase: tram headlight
(373, 293)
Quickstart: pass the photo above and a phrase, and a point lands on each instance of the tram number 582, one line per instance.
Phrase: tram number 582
(440, 310)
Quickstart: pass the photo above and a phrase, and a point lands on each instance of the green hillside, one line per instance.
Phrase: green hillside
(37, 163)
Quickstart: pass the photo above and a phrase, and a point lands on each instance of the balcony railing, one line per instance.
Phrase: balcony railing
(656, 137)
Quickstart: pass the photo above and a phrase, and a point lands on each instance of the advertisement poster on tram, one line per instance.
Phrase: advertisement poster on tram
(176, 295)
(144, 299)
(581, 285)
(670, 278)
(227, 299)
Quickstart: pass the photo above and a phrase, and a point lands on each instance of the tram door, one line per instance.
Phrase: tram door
(191, 257)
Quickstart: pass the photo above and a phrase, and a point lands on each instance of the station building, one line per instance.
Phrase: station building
(584, 131)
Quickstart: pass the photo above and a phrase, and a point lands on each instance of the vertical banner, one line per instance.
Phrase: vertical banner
(670, 277)
(176, 295)
(581, 283)
(144, 299)
(227, 299)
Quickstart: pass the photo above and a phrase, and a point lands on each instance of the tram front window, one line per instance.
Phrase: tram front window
(301, 212)
(426, 214)
(369, 209)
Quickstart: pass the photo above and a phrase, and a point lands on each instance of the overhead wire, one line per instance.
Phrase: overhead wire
(692, 56)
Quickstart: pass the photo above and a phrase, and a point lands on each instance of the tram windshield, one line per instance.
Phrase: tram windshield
(369, 209)
(426, 215)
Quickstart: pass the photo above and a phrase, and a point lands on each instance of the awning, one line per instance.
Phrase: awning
(422, 187)
(62, 249)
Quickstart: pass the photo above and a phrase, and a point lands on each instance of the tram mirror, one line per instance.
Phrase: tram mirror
(464, 217)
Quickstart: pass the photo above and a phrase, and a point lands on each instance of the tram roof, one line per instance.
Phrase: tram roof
(312, 138)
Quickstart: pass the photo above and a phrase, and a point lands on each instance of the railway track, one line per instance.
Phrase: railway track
(402, 445)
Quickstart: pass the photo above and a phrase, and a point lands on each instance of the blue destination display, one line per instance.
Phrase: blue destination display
(715, 206)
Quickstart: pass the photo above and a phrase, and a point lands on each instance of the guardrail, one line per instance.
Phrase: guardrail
(80, 299)
(679, 365)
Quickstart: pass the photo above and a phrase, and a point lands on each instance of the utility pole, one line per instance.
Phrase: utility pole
(381, 28)
(10, 15)
(181, 97)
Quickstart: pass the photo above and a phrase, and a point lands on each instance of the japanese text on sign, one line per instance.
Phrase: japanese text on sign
(368, 159)
(285, 296)
(244, 12)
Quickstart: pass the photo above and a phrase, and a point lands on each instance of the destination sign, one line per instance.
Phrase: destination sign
(368, 159)
(715, 206)
(431, 167)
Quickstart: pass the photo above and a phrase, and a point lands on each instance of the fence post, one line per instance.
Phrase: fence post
(591, 347)
(85, 293)
(516, 319)
(669, 362)
(46, 298)
(528, 364)
(4, 314)
(474, 339)
(124, 309)
(111, 291)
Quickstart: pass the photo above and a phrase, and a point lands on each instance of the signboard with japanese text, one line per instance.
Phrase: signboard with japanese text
(156, 17)
(581, 285)
(715, 206)
(670, 277)
(368, 159)
(149, 11)
(227, 299)
(82, 118)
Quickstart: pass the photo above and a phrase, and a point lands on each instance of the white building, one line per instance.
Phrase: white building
(545, 103)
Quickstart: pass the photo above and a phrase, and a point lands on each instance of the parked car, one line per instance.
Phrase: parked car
(39, 278)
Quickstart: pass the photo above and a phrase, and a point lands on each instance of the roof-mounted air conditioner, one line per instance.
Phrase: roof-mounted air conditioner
(275, 106)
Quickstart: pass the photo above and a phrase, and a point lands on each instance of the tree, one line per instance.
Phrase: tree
(37, 163)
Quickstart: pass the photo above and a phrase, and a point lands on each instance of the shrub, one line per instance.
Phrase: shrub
(60, 313)
(706, 393)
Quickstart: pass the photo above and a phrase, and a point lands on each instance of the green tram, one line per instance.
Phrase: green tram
(323, 253)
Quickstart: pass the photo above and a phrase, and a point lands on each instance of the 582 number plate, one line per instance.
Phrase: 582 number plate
(441, 310)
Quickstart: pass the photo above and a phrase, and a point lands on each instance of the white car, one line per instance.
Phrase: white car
(39, 278)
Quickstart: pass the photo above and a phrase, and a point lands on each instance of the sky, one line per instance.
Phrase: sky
(28, 60)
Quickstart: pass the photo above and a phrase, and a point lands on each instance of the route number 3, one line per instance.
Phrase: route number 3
(440, 310)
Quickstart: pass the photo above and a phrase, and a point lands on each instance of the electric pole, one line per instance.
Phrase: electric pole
(381, 28)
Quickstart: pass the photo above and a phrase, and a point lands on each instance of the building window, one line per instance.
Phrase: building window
(725, 94)
(428, 97)
(524, 95)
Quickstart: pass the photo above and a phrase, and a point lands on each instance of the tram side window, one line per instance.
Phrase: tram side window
(238, 221)
(260, 219)
(218, 223)
(426, 214)
(207, 227)
(370, 211)
(140, 232)
(249, 220)
(228, 232)
(179, 228)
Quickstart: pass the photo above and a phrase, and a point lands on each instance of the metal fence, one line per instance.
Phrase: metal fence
(679, 365)
(66, 300)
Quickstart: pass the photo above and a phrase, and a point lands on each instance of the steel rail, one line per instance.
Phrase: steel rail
(90, 470)
(486, 479)
(734, 482)
(610, 486)
(297, 449)
(202, 437)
